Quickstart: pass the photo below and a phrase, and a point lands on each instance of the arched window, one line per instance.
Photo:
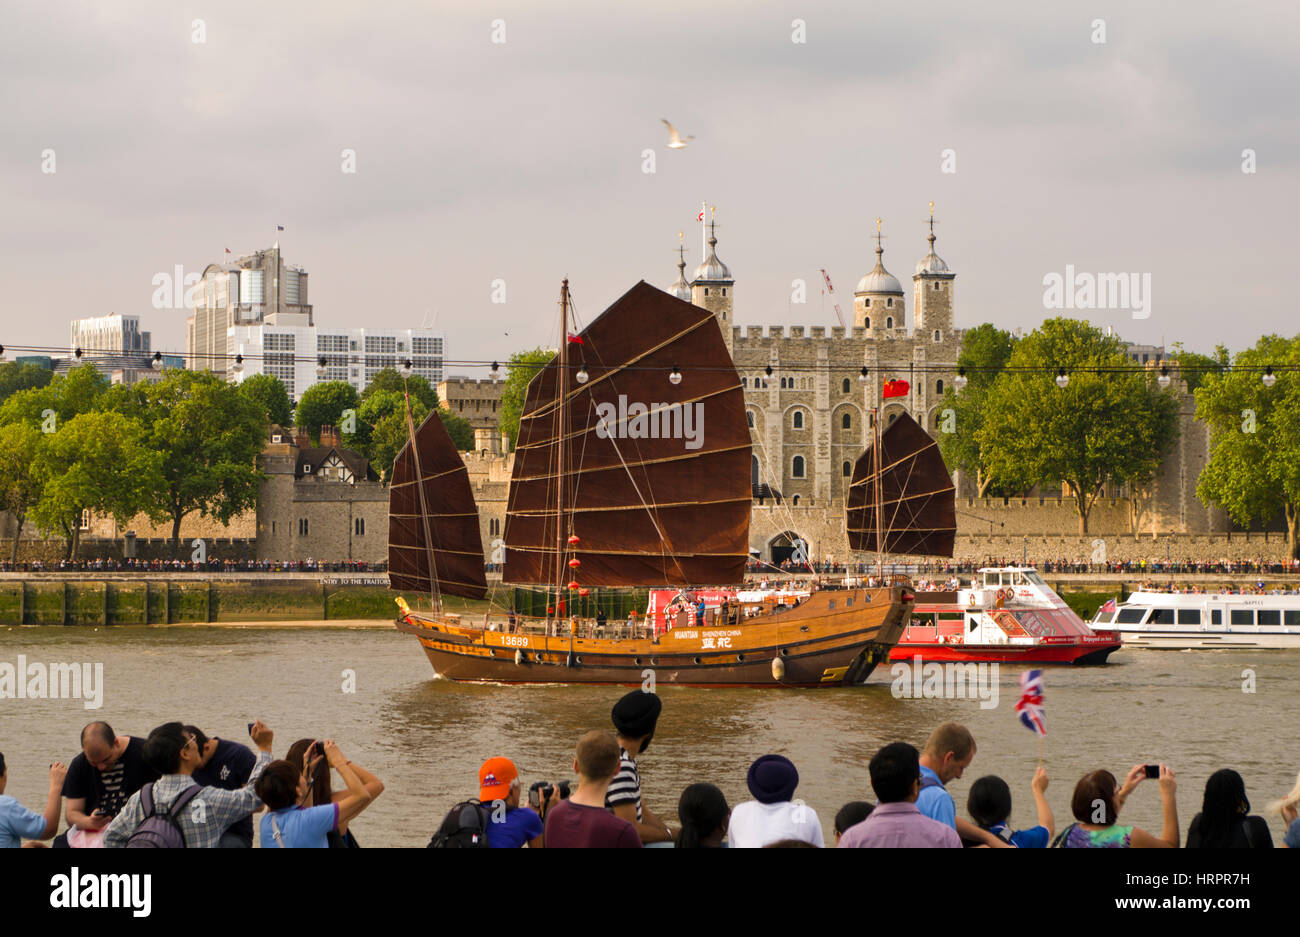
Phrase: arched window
(937, 285)
(846, 469)
(890, 302)
(749, 415)
(744, 382)
(866, 303)
(938, 387)
(893, 417)
(844, 387)
(847, 421)
(795, 500)
(936, 335)
(796, 468)
(798, 419)
(753, 470)
(889, 323)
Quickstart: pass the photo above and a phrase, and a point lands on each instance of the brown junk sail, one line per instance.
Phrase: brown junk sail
(919, 511)
(653, 474)
(439, 528)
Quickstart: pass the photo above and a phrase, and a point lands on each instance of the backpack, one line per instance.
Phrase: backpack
(465, 827)
(161, 830)
(1059, 842)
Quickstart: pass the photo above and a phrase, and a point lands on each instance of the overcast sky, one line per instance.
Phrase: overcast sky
(523, 160)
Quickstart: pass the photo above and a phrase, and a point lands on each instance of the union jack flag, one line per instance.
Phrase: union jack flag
(1030, 704)
(1108, 607)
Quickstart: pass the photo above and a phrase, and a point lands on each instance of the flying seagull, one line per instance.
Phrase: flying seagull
(675, 142)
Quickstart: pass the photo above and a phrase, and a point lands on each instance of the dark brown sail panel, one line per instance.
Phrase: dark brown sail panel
(919, 510)
(655, 474)
(453, 540)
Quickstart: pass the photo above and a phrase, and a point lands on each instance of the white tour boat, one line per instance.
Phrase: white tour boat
(1198, 620)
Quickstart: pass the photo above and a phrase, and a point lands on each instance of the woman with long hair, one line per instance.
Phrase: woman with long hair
(307, 755)
(704, 814)
(1289, 808)
(1096, 804)
(1224, 821)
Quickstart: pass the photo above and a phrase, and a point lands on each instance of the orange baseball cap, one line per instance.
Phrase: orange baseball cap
(494, 779)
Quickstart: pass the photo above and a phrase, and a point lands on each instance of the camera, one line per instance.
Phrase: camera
(539, 792)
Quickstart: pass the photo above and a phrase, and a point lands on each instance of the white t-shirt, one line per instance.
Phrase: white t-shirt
(754, 824)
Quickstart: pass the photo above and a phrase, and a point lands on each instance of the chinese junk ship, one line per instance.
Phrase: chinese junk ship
(632, 469)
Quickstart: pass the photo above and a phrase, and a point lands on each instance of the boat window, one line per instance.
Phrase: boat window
(1270, 616)
(832, 605)
(1189, 616)
(1291, 617)
(1035, 579)
(1216, 617)
(847, 602)
(1104, 618)
(1130, 616)
(1163, 616)
(1243, 616)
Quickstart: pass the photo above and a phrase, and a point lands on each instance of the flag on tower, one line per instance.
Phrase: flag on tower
(1030, 704)
(896, 388)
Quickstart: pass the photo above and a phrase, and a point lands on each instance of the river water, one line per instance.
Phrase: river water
(426, 737)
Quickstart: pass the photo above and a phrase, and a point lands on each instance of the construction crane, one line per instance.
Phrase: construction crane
(830, 289)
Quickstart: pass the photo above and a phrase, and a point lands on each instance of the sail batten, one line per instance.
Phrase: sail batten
(918, 513)
(654, 472)
(432, 518)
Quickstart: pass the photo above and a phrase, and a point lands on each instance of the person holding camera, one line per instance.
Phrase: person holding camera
(310, 754)
(283, 787)
(513, 826)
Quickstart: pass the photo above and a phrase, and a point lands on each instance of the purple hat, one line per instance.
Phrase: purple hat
(772, 779)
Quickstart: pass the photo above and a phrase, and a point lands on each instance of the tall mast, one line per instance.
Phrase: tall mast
(879, 497)
(560, 473)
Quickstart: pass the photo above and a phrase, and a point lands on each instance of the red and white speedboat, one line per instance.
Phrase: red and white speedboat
(1008, 614)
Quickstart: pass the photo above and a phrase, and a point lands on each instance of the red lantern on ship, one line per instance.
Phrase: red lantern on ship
(584, 592)
(573, 540)
(574, 584)
(575, 563)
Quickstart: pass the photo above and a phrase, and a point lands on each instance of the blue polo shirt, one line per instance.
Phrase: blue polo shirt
(18, 823)
(1033, 838)
(934, 801)
(518, 827)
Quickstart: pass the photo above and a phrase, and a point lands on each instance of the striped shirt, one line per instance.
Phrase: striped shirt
(626, 786)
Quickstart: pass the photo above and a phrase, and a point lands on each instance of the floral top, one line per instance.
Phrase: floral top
(1110, 837)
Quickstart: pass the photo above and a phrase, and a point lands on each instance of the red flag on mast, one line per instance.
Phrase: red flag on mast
(896, 389)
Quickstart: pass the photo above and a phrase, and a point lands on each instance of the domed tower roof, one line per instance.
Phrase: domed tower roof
(879, 280)
(712, 270)
(931, 263)
(681, 289)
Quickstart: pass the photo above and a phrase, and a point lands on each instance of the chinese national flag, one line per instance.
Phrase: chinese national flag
(896, 389)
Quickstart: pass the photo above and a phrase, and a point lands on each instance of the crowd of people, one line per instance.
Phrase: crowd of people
(1060, 564)
(177, 787)
(212, 565)
(912, 807)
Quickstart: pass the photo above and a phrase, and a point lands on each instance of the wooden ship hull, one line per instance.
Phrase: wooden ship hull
(834, 638)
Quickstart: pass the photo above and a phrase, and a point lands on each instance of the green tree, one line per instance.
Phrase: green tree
(15, 377)
(66, 396)
(95, 462)
(208, 435)
(1115, 426)
(520, 369)
(985, 351)
(458, 428)
(1194, 367)
(389, 380)
(389, 432)
(323, 405)
(19, 486)
(1254, 466)
(271, 397)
